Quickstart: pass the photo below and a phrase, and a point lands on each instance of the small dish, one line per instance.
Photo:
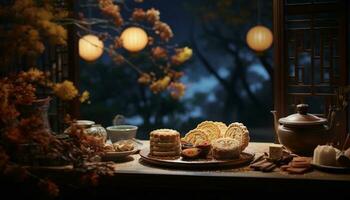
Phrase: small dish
(113, 155)
(110, 155)
(335, 169)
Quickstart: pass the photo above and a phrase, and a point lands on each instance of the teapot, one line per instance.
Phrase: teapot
(302, 132)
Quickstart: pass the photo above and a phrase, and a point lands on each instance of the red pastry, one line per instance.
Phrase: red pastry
(191, 153)
(205, 148)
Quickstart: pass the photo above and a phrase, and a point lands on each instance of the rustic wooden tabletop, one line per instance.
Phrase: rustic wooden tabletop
(132, 175)
(133, 165)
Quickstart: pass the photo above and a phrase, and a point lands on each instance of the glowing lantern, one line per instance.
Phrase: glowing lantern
(134, 39)
(259, 38)
(90, 47)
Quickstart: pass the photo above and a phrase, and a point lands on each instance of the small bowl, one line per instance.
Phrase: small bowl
(121, 132)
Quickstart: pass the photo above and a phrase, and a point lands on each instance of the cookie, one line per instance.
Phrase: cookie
(223, 127)
(196, 136)
(211, 129)
(239, 132)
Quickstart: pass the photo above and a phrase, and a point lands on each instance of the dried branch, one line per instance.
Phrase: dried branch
(207, 64)
(267, 66)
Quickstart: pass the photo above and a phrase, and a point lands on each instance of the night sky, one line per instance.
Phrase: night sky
(198, 80)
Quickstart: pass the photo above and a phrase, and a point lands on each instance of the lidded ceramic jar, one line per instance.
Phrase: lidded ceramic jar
(91, 128)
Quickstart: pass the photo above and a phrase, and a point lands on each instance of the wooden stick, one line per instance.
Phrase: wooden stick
(346, 141)
(257, 159)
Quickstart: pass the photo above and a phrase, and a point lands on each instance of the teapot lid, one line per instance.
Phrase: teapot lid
(302, 117)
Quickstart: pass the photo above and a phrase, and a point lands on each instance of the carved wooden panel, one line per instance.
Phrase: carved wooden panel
(310, 46)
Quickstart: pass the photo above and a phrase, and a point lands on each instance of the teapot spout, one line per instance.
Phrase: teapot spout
(276, 124)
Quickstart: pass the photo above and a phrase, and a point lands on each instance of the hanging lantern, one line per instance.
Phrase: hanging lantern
(90, 47)
(134, 39)
(259, 38)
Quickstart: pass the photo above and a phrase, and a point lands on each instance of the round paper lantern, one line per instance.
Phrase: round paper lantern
(134, 39)
(90, 47)
(259, 38)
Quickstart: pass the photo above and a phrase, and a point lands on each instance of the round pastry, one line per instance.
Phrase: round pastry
(205, 148)
(226, 148)
(239, 132)
(165, 143)
(165, 135)
(211, 129)
(191, 153)
(324, 155)
(196, 136)
(222, 126)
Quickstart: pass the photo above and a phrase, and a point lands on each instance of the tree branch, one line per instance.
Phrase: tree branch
(266, 65)
(207, 64)
(217, 34)
(243, 78)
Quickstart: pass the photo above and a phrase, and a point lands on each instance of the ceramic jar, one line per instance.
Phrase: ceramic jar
(90, 128)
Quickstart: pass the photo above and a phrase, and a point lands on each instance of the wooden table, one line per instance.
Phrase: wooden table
(133, 172)
(132, 176)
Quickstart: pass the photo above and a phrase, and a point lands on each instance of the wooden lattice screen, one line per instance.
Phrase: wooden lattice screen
(310, 55)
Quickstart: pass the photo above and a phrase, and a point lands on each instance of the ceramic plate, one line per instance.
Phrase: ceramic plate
(113, 154)
(245, 158)
(116, 155)
(338, 169)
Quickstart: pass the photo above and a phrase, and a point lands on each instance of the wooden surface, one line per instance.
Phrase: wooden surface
(132, 177)
(132, 165)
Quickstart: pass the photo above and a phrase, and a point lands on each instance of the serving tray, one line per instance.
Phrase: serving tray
(245, 158)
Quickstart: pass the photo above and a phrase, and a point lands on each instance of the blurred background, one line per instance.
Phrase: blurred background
(226, 81)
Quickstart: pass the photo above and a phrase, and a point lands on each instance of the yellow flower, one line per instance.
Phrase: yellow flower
(62, 14)
(160, 85)
(182, 55)
(39, 47)
(85, 96)
(185, 54)
(44, 24)
(177, 90)
(152, 15)
(35, 74)
(19, 5)
(43, 14)
(65, 90)
(144, 79)
(61, 32)
(33, 34)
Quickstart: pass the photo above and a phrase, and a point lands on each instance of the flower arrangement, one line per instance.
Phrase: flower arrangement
(33, 24)
(25, 136)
